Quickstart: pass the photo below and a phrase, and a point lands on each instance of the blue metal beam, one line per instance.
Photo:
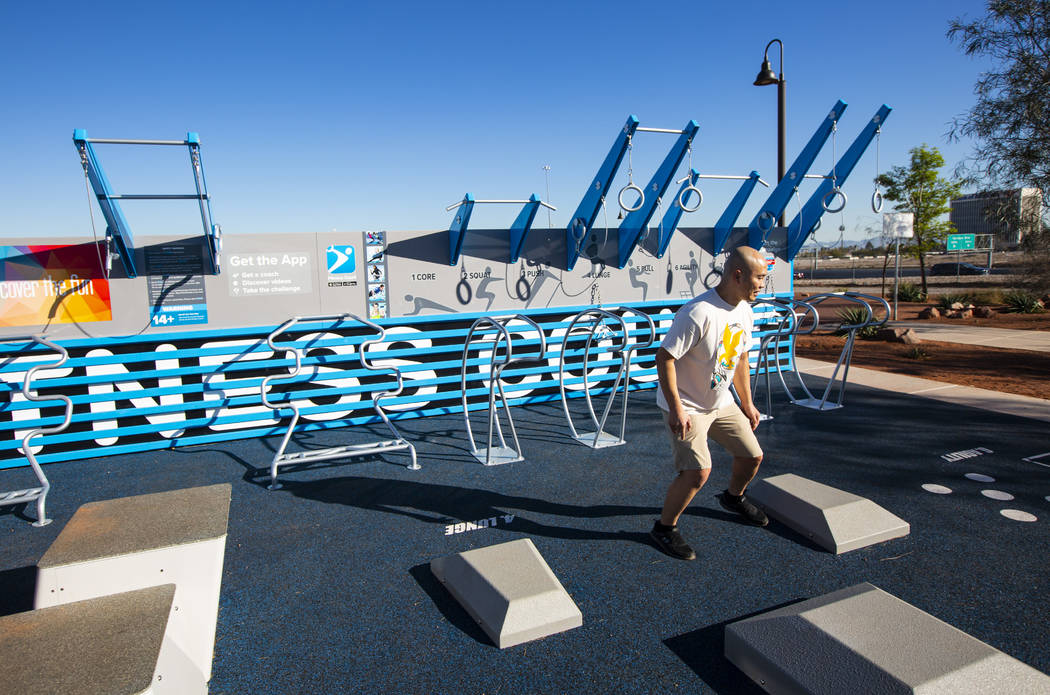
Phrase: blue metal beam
(724, 226)
(774, 206)
(118, 233)
(633, 224)
(674, 212)
(522, 224)
(212, 232)
(458, 229)
(806, 220)
(583, 219)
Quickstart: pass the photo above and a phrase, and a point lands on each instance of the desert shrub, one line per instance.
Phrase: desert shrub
(945, 301)
(910, 292)
(988, 297)
(917, 352)
(853, 316)
(1022, 302)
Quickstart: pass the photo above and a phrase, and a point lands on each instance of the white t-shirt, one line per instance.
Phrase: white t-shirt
(707, 339)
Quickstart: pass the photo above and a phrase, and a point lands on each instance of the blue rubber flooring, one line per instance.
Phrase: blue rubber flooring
(327, 587)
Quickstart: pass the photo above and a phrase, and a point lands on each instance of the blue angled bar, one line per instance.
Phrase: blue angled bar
(774, 206)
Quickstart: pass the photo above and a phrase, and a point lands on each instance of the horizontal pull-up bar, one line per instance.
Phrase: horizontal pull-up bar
(728, 177)
(659, 130)
(518, 202)
(816, 176)
(113, 141)
(143, 196)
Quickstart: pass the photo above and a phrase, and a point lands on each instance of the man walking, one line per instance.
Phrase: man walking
(703, 352)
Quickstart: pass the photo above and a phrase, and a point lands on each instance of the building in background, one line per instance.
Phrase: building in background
(1008, 214)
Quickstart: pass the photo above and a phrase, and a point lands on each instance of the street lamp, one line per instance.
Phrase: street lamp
(767, 76)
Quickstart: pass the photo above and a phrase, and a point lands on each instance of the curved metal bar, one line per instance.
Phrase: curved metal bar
(628, 357)
(846, 355)
(485, 323)
(38, 494)
(281, 458)
(500, 325)
(885, 307)
(597, 317)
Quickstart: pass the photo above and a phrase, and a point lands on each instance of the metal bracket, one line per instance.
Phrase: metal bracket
(518, 231)
(724, 227)
(674, 213)
(118, 231)
(583, 219)
(777, 201)
(807, 219)
(631, 228)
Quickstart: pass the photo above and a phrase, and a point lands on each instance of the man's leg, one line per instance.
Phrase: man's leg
(744, 470)
(733, 431)
(692, 460)
(681, 492)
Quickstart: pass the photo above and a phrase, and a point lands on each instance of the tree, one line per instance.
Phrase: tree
(1010, 122)
(920, 190)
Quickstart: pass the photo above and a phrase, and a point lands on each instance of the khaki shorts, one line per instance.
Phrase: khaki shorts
(728, 426)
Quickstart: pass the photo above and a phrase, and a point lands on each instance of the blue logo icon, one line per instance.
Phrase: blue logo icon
(341, 260)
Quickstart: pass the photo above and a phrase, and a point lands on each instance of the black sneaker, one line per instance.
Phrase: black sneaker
(672, 543)
(744, 508)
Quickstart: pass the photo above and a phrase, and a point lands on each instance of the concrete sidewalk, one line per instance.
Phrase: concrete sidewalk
(1008, 403)
(979, 335)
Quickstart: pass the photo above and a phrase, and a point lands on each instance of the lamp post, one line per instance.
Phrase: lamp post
(766, 76)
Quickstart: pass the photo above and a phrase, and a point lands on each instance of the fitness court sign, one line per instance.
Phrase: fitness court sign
(268, 273)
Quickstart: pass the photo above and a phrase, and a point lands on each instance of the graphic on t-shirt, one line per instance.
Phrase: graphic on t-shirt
(729, 351)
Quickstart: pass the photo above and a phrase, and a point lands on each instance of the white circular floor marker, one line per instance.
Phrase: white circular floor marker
(997, 495)
(1017, 515)
(980, 477)
(937, 489)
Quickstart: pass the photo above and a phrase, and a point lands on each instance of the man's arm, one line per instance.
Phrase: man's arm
(742, 384)
(665, 369)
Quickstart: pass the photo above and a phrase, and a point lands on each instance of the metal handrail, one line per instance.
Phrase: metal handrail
(38, 494)
(846, 355)
(280, 458)
(503, 453)
(597, 317)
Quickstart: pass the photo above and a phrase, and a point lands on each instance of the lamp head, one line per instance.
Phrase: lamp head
(766, 75)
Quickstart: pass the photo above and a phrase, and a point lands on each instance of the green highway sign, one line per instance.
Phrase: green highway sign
(961, 242)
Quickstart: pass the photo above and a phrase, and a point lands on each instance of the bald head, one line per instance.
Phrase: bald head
(743, 276)
(743, 258)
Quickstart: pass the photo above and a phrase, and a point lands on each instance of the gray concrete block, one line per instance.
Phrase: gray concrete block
(836, 520)
(862, 639)
(510, 591)
(144, 522)
(106, 645)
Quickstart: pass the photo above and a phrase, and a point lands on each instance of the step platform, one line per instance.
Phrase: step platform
(836, 520)
(119, 545)
(510, 591)
(111, 645)
(864, 640)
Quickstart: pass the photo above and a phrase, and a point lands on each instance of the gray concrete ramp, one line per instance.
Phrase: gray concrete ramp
(510, 591)
(862, 639)
(836, 520)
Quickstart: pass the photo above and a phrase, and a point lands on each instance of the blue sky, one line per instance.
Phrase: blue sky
(354, 116)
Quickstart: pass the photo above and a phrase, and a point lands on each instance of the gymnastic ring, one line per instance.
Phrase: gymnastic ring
(578, 224)
(641, 197)
(876, 201)
(684, 194)
(523, 294)
(829, 198)
(463, 289)
(816, 226)
(766, 215)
